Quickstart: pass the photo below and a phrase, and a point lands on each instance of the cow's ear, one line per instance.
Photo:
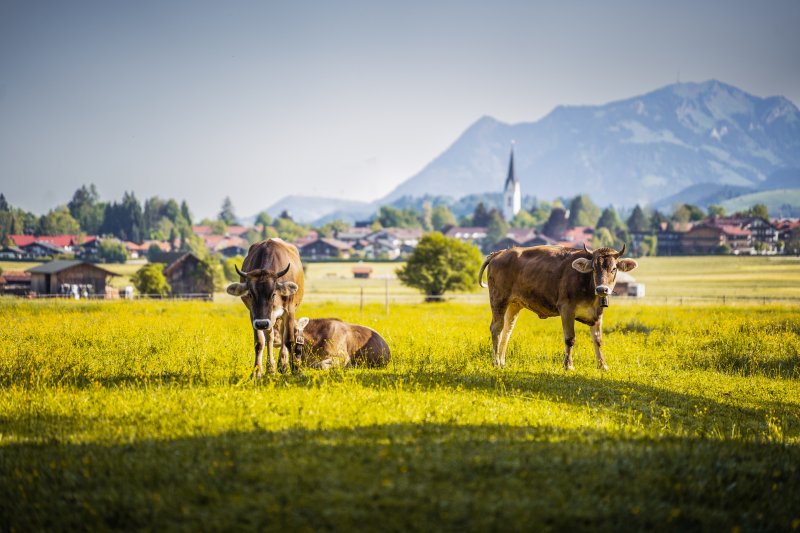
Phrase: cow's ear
(582, 265)
(237, 289)
(626, 265)
(287, 288)
(301, 323)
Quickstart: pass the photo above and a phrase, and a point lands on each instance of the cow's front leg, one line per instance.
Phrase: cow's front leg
(568, 325)
(597, 338)
(271, 350)
(258, 342)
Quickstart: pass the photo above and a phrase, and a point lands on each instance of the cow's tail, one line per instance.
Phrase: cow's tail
(483, 267)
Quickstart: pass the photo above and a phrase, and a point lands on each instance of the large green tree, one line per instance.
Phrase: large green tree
(583, 212)
(392, 217)
(150, 279)
(59, 221)
(440, 264)
(442, 218)
(112, 251)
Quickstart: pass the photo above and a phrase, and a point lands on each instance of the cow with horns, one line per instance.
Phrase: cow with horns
(551, 281)
(271, 286)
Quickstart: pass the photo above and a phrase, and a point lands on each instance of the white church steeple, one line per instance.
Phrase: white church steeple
(512, 197)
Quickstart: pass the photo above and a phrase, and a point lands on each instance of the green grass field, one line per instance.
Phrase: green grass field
(141, 415)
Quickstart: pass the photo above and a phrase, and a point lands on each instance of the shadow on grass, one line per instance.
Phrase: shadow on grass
(401, 477)
(697, 414)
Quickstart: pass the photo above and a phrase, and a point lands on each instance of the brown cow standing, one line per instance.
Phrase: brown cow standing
(551, 281)
(329, 342)
(271, 286)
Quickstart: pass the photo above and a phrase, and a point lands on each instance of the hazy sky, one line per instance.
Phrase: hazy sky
(197, 100)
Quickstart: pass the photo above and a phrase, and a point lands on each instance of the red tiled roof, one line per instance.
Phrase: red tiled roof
(62, 241)
(735, 230)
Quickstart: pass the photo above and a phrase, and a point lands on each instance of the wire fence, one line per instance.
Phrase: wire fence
(402, 296)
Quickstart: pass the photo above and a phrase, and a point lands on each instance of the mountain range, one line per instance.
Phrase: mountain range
(699, 143)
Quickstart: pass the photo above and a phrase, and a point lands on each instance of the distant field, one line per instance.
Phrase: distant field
(664, 277)
(141, 415)
(773, 277)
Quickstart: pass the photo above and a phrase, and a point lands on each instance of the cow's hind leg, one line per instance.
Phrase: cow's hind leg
(597, 338)
(503, 321)
(568, 325)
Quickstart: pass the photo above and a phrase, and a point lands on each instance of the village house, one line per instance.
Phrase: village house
(576, 237)
(69, 278)
(471, 234)
(40, 249)
(785, 226)
(707, 239)
(763, 232)
(12, 253)
(326, 248)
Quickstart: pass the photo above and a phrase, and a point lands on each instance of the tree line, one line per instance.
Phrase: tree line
(167, 220)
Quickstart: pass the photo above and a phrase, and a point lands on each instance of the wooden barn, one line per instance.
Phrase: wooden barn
(362, 272)
(15, 282)
(62, 278)
(190, 275)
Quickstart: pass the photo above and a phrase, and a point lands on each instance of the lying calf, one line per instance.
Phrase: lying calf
(329, 342)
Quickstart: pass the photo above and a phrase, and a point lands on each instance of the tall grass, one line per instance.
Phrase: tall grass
(142, 415)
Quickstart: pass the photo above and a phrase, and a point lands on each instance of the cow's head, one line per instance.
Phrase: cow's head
(266, 294)
(603, 265)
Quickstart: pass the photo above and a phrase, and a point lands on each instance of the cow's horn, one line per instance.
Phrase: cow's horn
(586, 248)
(622, 252)
(284, 271)
(243, 274)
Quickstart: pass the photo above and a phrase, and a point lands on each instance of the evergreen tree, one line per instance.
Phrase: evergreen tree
(656, 219)
(4, 207)
(480, 217)
(187, 215)
(556, 224)
(124, 220)
(716, 211)
(86, 209)
(638, 221)
(609, 219)
(227, 214)
(496, 230)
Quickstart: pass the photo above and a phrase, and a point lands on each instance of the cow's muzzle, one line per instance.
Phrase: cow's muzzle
(602, 290)
(262, 324)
